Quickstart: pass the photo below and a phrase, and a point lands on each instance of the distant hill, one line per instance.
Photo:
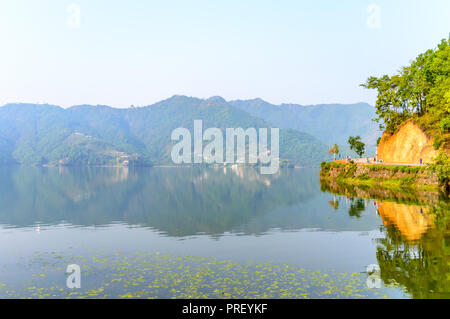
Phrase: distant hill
(99, 135)
(331, 123)
(47, 134)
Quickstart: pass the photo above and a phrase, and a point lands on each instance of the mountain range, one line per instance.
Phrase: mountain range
(330, 123)
(42, 134)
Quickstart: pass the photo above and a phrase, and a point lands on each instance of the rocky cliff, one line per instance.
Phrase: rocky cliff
(407, 146)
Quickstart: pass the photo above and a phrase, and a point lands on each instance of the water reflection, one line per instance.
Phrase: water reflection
(414, 252)
(412, 221)
(304, 222)
(177, 201)
(357, 206)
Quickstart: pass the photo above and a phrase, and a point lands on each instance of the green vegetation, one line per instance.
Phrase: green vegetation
(400, 183)
(356, 145)
(386, 176)
(156, 275)
(334, 150)
(397, 168)
(421, 92)
(426, 275)
(441, 167)
(356, 208)
(327, 165)
(330, 123)
(419, 266)
(100, 135)
(398, 195)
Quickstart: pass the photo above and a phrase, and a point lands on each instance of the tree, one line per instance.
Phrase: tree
(334, 150)
(357, 145)
(419, 90)
(441, 167)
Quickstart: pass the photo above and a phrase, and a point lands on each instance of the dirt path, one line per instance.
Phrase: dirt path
(370, 161)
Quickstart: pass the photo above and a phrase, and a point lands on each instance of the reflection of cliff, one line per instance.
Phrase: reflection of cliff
(414, 252)
(412, 221)
(408, 145)
(421, 266)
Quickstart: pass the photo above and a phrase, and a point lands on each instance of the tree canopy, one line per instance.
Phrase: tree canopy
(420, 90)
(356, 145)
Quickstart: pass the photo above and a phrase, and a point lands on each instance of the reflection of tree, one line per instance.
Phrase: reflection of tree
(415, 252)
(421, 266)
(334, 203)
(357, 206)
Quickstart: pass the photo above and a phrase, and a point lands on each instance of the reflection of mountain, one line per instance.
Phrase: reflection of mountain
(411, 220)
(177, 201)
(189, 201)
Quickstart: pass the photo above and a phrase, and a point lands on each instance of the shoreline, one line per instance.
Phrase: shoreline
(394, 177)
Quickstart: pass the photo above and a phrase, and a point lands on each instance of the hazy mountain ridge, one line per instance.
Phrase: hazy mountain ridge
(330, 123)
(98, 135)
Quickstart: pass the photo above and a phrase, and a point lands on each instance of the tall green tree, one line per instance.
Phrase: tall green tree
(357, 145)
(419, 89)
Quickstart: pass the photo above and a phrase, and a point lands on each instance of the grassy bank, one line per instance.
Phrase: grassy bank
(385, 176)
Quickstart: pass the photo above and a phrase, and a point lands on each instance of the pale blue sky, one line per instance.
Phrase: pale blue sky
(139, 52)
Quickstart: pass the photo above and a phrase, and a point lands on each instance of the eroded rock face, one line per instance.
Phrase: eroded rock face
(407, 146)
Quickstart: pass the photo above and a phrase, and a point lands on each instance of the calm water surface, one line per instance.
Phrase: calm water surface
(199, 233)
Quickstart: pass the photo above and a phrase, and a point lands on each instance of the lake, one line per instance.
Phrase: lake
(216, 233)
